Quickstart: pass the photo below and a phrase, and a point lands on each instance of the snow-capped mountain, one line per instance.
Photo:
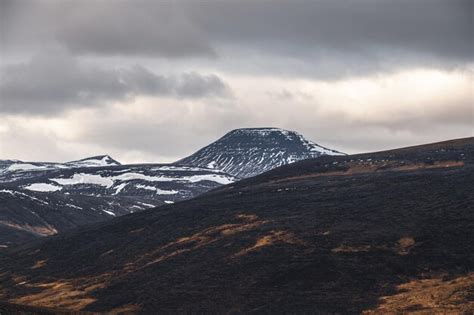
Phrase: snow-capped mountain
(16, 165)
(38, 199)
(248, 152)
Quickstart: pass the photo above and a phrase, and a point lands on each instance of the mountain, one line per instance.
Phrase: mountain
(35, 194)
(39, 199)
(382, 233)
(251, 151)
(16, 165)
(101, 160)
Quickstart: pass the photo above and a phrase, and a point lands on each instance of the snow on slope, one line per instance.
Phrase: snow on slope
(25, 167)
(109, 181)
(20, 166)
(250, 151)
(82, 178)
(42, 202)
(96, 161)
(138, 181)
(42, 187)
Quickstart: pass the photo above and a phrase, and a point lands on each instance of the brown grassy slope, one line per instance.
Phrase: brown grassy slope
(396, 236)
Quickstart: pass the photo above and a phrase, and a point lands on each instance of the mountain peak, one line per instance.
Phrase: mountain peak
(258, 131)
(247, 152)
(99, 160)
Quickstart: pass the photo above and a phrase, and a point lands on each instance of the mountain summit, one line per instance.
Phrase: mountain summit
(248, 152)
(100, 160)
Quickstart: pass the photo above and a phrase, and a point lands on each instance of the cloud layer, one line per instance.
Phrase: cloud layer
(53, 82)
(355, 115)
(183, 28)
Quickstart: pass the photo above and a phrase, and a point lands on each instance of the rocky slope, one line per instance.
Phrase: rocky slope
(251, 151)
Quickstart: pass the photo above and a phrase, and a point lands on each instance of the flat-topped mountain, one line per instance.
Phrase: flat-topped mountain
(248, 152)
(382, 233)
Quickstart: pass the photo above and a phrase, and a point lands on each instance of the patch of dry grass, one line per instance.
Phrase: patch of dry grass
(39, 264)
(356, 168)
(351, 249)
(430, 296)
(274, 237)
(39, 230)
(60, 294)
(203, 238)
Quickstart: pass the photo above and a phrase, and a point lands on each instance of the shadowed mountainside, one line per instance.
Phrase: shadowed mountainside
(378, 232)
(47, 198)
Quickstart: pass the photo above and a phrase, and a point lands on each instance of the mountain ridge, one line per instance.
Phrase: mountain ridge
(93, 161)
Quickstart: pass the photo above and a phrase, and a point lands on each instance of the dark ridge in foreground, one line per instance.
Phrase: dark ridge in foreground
(377, 233)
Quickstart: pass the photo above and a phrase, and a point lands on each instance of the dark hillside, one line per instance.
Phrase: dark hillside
(381, 232)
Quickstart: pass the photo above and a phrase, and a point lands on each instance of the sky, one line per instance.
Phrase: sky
(153, 81)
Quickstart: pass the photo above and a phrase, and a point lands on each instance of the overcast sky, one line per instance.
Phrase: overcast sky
(153, 81)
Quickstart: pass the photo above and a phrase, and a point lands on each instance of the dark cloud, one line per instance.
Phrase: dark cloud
(431, 27)
(52, 83)
(128, 28)
(436, 28)
(144, 28)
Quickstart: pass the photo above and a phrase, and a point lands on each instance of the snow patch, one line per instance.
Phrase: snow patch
(158, 191)
(73, 206)
(119, 188)
(6, 191)
(221, 179)
(25, 167)
(43, 187)
(82, 178)
(147, 204)
(109, 212)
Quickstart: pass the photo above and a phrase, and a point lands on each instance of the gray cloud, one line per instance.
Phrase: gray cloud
(175, 29)
(52, 83)
(435, 27)
(143, 27)
(102, 27)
